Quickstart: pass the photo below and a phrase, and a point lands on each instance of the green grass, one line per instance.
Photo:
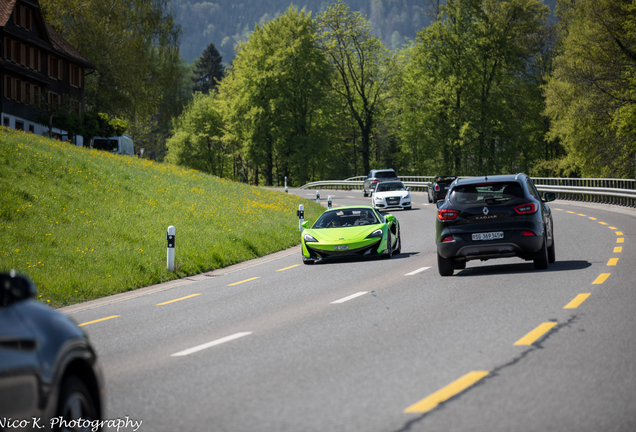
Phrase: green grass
(84, 224)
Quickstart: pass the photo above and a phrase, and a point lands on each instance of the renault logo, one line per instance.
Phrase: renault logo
(485, 211)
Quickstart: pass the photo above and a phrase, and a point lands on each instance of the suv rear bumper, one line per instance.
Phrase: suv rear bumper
(513, 244)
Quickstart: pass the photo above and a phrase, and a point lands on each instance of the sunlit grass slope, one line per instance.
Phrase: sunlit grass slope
(85, 224)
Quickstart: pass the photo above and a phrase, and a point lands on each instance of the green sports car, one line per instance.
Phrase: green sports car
(350, 232)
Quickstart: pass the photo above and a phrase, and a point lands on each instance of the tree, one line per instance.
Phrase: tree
(466, 91)
(196, 142)
(591, 94)
(209, 70)
(362, 64)
(132, 43)
(276, 95)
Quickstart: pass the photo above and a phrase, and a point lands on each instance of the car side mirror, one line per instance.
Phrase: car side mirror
(440, 204)
(14, 288)
(306, 224)
(389, 218)
(549, 196)
(409, 188)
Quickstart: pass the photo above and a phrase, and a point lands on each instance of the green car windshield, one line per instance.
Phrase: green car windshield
(346, 218)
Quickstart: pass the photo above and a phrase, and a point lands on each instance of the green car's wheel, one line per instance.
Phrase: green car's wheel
(398, 247)
(389, 247)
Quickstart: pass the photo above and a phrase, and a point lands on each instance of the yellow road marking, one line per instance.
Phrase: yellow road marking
(593, 218)
(618, 249)
(535, 334)
(618, 233)
(558, 209)
(447, 392)
(98, 320)
(576, 302)
(287, 268)
(620, 240)
(601, 278)
(603, 223)
(246, 280)
(612, 262)
(179, 299)
(613, 228)
(581, 215)
(571, 212)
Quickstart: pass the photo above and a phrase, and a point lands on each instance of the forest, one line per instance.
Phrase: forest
(472, 87)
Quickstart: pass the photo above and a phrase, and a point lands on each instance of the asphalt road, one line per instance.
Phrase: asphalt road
(384, 345)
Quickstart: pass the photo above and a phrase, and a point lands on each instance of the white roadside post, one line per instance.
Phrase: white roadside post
(318, 196)
(171, 241)
(301, 217)
(286, 190)
(329, 202)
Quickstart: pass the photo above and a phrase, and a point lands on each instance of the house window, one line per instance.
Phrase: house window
(6, 121)
(53, 99)
(60, 66)
(75, 78)
(15, 51)
(22, 17)
(7, 87)
(18, 90)
(19, 125)
(32, 128)
(7, 48)
(53, 65)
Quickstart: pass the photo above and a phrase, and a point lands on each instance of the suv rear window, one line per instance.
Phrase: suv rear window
(385, 174)
(488, 193)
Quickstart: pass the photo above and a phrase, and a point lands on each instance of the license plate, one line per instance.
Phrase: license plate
(345, 247)
(488, 236)
(446, 187)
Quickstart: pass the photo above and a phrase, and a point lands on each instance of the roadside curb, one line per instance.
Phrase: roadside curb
(139, 292)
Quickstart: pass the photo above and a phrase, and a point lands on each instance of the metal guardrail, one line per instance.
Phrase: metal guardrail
(619, 192)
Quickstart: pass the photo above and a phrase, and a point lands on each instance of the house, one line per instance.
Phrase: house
(37, 66)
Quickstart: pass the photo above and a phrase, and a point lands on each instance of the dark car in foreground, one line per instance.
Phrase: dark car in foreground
(376, 176)
(49, 373)
(494, 217)
(437, 190)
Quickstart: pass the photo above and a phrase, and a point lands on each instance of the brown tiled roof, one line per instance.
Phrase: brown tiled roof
(60, 44)
(6, 7)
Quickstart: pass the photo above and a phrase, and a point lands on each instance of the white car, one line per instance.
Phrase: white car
(391, 194)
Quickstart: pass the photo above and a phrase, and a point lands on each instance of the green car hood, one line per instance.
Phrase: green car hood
(342, 235)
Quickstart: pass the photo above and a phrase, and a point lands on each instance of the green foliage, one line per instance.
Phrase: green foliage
(196, 142)
(468, 89)
(84, 223)
(590, 97)
(362, 65)
(132, 43)
(209, 70)
(228, 22)
(275, 99)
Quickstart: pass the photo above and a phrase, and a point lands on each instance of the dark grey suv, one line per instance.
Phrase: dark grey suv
(49, 373)
(494, 217)
(375, 177)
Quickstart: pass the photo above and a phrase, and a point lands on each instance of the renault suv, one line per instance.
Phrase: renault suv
(494, 217)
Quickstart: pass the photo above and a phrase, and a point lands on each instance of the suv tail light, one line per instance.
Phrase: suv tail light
(528, 208)
(445, 214)
(436, 187)
(527, 233)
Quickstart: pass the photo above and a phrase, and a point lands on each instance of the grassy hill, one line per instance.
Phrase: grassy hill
(83, 223)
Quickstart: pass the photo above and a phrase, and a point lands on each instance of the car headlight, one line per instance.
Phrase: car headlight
(406, 196)
(379, 198)
(309, 238)
(376, 233)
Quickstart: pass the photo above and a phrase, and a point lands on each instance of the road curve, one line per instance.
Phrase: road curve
(386, 344)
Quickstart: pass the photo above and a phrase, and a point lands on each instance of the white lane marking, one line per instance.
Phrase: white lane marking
(351, 297)
(419, 270)
(210, 344)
